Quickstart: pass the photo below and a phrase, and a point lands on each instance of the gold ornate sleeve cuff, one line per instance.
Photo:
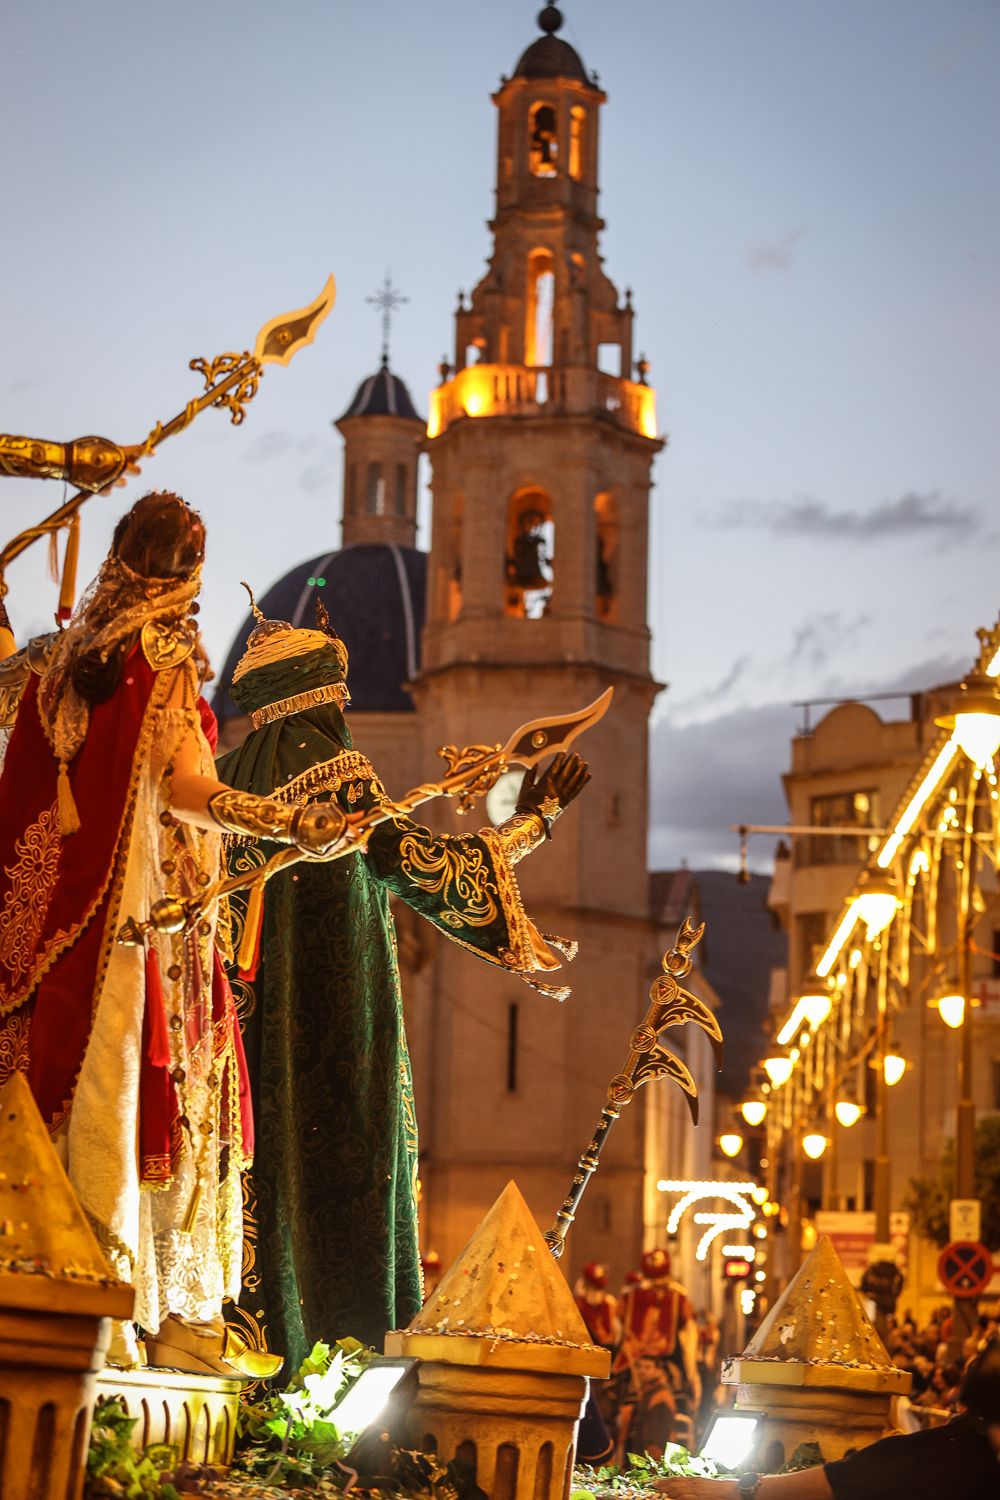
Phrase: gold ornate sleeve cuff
(257, 817)
(520, 834)
(32, 458)
(89, 462)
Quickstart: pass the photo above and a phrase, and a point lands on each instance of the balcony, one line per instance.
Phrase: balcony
(537, 391)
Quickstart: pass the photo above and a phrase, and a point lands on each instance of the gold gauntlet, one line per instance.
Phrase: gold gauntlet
(316, 829)
(520, 834)
(89, 462)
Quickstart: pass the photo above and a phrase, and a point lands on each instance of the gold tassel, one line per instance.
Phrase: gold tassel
(67, 593)
(8, 645)
(69, 818)
(191, 1212)
(251, 930)
(568, 947)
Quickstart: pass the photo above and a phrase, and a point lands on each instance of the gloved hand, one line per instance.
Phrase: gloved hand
(550, 794)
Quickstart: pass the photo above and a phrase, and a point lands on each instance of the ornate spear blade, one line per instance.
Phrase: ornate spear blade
(283, 337)
(647, 1061)
(533, 742)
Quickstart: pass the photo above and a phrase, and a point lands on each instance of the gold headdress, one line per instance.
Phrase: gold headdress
(276, 641)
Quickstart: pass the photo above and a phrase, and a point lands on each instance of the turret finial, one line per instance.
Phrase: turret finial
(550, 19)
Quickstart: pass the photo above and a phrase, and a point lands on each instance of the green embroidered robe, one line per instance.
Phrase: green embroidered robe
(331, 1207)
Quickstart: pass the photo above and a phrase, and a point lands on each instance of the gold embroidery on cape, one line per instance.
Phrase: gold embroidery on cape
(32, 878)
(15, 1033)
(453, 872)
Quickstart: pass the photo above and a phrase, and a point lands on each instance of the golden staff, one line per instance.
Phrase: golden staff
(669, 1005)
(231, 381)
(471, 772)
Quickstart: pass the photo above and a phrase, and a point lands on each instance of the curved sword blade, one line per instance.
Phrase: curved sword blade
(544, 737)
(286, 334)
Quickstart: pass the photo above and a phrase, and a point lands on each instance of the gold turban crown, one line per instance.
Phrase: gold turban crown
(277, 640)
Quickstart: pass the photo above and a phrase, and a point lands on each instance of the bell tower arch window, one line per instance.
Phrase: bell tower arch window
(606, 557)
(543, 140)
(375, 491)
(528, 564)
(577, 122)
(540, 312)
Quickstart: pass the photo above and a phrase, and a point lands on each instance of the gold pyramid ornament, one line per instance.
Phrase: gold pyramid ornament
(57, 1299)
(505, 1359)
(505, 1284)
(816, 1366)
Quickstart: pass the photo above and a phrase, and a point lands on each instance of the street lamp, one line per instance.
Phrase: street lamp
(893, 1064)
(753, 1111)
(848, 1112)
(951, 1009)
(731, 1144)
(875, 902)
(814, 1143)
(974, 718)
(779, 1069)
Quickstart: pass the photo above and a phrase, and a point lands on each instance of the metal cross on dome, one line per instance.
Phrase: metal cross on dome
(387, 299)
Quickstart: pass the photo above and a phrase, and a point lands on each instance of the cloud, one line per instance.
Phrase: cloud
(775, 255)
(709, 775)
(706, 776)
(316, 477)
(267, 445)
(912, 514)
(717, 692)
(816, 637)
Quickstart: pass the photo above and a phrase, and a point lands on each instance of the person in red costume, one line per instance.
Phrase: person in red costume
(598, 1307)
(108, 801)
(658, 1321)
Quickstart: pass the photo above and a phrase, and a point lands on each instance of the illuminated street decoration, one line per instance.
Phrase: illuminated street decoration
(737, 1194)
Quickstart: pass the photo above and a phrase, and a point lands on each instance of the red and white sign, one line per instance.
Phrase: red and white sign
(853, 1236)
(965, 1268)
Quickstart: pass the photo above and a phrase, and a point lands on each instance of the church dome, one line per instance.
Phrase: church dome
(549, 56)
(382, 395)
(375, 594)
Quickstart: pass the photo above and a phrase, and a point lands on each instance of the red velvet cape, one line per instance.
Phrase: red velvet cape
(60, 909)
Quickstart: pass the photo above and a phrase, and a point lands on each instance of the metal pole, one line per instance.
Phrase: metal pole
(966, 1308)
(883, 1168)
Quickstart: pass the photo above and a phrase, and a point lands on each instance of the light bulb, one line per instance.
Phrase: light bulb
(814, 1144)
(731, 1144)
(951, 1009)
(753, 1111)
(778, 1069)
(876, 908)
(978, 735)
(893, 1067)
(848, 1112)
(759, 1195)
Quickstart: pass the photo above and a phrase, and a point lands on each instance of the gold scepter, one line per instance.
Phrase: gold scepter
(471, 773)
(669, 1005)
(231, 381)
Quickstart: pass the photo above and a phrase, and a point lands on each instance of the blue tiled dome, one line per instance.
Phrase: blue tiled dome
(375, 594)
(383, 395)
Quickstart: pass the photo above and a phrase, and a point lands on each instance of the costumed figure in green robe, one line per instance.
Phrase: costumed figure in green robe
(332, 1219)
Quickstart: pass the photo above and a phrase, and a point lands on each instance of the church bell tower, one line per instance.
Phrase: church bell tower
(541, 437)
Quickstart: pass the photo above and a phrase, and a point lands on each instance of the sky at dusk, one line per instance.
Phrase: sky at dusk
(802, 194)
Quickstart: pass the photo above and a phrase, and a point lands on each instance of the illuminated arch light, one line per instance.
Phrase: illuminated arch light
(911, 813)
(734, 1193)
(740, 1252)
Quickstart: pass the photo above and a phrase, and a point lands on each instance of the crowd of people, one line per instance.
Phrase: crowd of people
(930, 1355)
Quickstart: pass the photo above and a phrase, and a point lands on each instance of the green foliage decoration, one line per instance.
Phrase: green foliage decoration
(115, 1471)
(929, 1198)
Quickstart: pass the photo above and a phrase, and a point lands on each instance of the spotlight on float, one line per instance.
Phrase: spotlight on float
(814, 1143)
(731, 1144)
(778, 1069)
(732, 1436)
(875, 902)
(974, 718)
(364, 1402)
(753, 1111)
